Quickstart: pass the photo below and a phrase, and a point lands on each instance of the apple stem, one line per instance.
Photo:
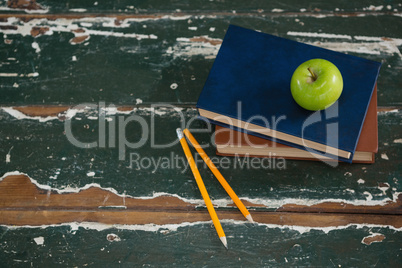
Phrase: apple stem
(312, 74)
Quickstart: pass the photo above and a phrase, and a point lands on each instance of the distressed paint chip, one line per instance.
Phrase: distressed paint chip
(36, 47)
(80, 10)
(91, 174)
(368, 195)
(372, 45)
(174, 86)
(37, 27)
(113, 238)
(360, 181)
(39, 240)
(79, 30)
(24, 4)
(38, 31)
(374, 8)
(197, 45)
(79, 39)
(320, 35)
(383, 187)
(384, 156)
(375, 237)
(205, 39)
(8, 155)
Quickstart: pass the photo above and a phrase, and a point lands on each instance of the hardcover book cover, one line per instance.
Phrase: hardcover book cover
(248, 88)
(230, 142)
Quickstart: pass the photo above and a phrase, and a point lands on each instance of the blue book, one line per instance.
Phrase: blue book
(248, 88)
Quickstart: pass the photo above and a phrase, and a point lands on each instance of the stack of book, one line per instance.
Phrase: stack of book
(247, 95)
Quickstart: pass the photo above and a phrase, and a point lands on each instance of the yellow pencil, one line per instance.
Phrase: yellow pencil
(218, 175)
(202, 188)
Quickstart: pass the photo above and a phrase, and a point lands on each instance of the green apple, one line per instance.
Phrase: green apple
(316, 84)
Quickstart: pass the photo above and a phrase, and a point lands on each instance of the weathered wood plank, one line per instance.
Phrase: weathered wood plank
(197, 245)
(19, 193)
(42, 151)
(22, 203)
(199, 6)
(126, 60)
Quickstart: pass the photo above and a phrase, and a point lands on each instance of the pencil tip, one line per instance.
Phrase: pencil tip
(249, 218)
(224, 241)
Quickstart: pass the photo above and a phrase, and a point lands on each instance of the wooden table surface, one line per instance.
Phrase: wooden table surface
(81, 184)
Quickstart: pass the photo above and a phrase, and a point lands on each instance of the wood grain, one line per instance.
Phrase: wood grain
(18, 192)
(23, 203)
(119, 58)
(59, 216)
(57, 110)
